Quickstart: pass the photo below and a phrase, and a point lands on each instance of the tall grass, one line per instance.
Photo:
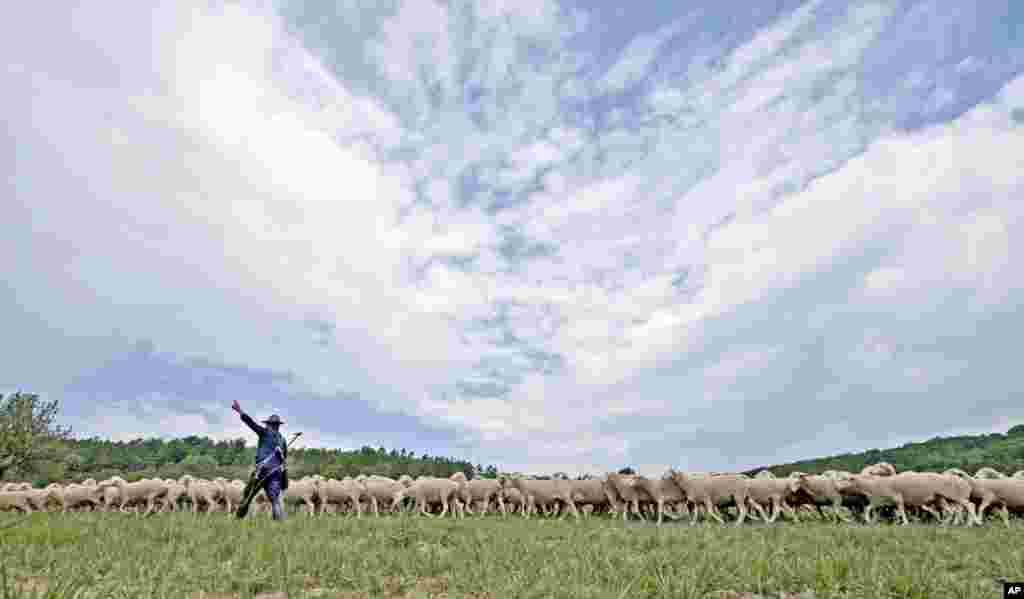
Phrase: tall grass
(216, 556)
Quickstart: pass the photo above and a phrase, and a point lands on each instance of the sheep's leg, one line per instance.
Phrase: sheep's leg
(837, 509)
(902, 510)
(671, 511)
(967, 513)
(713, 511)
(758, 512)
(752, 506)
(572, 509)
(931, 510)
(953, 513)
(972, 516)
(950, 514)
(867, 513)
(981, 508)
(961, 513)
(741, 507)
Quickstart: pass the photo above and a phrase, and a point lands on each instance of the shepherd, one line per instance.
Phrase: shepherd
(270, 472)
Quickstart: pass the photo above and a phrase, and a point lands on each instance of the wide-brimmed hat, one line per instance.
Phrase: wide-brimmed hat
(274, 419)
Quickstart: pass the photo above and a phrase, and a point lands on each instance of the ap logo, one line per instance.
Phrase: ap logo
(1013, 589)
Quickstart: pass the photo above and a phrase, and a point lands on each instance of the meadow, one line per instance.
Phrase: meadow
(215, 556)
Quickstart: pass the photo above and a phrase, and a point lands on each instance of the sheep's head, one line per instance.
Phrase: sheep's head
(678, 476)
(798, 483)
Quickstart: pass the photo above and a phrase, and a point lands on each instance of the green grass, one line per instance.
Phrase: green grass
(179, 555)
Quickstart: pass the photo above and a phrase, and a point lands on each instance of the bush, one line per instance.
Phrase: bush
(199, 460)
(73, 462)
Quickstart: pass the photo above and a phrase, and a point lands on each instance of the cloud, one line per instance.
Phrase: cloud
(521, 231)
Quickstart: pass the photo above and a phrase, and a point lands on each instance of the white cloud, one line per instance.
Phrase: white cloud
(214, 203)
(884, 280)
(639, 57)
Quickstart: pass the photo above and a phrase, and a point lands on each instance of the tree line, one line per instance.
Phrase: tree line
(33, 447)
(1002, 451)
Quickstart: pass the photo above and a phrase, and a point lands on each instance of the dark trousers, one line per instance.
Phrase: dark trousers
(272, 487)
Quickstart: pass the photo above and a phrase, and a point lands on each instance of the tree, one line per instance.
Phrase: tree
(27, 431)
(197, 459)
(627, 470)
(73, 462)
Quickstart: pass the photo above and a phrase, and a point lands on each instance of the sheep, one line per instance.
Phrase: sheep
(910, 488)
(714, 491)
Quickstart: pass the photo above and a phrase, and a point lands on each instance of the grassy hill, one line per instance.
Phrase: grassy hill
(1002, 451)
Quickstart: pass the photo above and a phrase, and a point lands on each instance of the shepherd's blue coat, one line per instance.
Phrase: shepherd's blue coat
(269, 439)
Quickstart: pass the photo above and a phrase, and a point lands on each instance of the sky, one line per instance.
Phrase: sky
(548, 235)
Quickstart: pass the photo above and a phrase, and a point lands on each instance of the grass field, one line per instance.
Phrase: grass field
(217, 556)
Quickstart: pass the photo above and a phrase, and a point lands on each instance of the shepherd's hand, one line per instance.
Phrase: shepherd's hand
(236, 407)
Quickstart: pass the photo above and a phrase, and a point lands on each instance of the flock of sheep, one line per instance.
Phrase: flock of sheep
(949, 497)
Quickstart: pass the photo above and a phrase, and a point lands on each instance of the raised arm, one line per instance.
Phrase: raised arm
(259, 430)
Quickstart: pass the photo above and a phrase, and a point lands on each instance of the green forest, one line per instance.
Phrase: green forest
(1004, 452)
(202, 456)
(35, 448)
